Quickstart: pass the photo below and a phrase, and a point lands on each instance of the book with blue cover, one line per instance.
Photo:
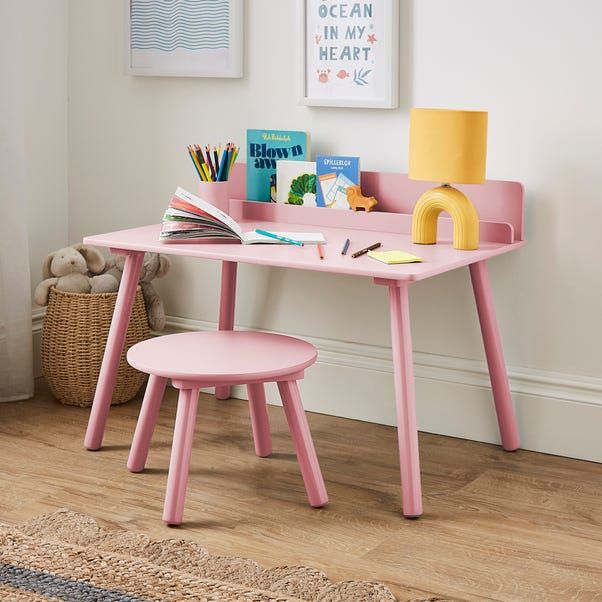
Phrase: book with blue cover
(264, 149)
(334, 175)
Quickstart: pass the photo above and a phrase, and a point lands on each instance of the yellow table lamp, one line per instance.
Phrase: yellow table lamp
(447, 146)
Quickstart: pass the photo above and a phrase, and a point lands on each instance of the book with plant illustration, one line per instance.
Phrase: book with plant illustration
(296, 182)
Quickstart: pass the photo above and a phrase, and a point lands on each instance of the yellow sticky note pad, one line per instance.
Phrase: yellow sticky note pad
(392, 257)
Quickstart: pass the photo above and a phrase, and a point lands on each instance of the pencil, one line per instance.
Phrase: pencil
(199, 154)
(290, 241)
(226, 173)
(216, 159)
(320, 251)
(364, 251)
(222, 165)
(195, 162)
(233, 158)
(345, 247)
(209, 162)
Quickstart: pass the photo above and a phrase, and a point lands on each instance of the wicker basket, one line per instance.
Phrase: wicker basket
(74, 336)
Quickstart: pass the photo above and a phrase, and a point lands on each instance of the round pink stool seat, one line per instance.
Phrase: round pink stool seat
(195, 360)
(231, 357)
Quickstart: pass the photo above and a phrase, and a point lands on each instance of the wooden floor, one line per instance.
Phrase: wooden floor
(497, 526)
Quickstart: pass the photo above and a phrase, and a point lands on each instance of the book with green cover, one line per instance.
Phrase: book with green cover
(296, 183)
(264, 149)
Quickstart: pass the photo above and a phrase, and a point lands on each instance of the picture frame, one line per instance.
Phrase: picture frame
(209, 45)
(349, 53)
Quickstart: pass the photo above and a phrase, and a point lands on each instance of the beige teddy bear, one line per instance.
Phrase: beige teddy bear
(69, 270)
(154, 266)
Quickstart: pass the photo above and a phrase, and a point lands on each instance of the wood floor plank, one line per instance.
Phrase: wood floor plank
(497, 525)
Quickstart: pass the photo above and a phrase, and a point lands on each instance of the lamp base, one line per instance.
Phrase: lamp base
(464, 216)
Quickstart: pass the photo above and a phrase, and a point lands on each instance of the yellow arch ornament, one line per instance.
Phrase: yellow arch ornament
(465, 218)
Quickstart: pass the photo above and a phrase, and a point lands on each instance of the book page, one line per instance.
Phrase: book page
(212, 210)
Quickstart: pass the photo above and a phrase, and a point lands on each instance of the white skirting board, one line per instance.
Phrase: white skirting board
(557, 413)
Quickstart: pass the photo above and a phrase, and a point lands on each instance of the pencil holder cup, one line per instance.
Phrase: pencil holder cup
(216, 193)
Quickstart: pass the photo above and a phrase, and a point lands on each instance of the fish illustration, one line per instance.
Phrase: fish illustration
(342, 74)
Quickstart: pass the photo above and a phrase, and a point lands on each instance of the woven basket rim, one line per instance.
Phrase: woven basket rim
(87, 295)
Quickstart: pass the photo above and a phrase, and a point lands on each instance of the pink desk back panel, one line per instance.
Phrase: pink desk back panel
(500, 205)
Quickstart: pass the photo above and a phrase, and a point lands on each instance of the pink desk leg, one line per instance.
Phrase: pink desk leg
(226, 310)
(113, 350)
(495, 356)
(405, 400)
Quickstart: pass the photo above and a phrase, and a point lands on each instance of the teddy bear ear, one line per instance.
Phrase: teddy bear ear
(94, 258)
(164, 265)
(46, 273)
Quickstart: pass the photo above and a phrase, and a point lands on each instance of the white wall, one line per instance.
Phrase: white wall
(46, 131)
(46, 128)
(533, 65)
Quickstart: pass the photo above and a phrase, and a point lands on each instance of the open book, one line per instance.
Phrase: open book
(189, 217)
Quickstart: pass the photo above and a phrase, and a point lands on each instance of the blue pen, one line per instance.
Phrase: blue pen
(290, 241)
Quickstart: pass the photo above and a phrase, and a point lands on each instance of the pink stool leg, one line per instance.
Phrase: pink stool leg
(179, 463)
(226, 311)
(153, 396)
(405, 400)
(260, 420)
(113, 350)
(495, 356)
(304, 446)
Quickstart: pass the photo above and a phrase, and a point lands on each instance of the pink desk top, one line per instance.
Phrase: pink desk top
(500, 205)
(437, 258)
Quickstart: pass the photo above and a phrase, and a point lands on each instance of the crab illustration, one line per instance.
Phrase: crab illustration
(323, 75)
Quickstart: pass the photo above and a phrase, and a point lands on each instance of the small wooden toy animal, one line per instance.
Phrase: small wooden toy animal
(356, 200)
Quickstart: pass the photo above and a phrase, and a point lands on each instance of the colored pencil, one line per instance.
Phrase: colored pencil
(199, 154)
(320, 251)
(221, 165)
(195, 162)
(364, 251)
(216, 158)
(234, 155)
(228, 153)
(213, 164)
(290, 241)
(210, 162)
(345, 247)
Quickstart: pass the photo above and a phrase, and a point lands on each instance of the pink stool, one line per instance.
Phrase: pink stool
(211, 359)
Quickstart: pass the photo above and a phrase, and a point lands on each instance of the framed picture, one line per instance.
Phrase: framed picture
(349, 53)
(186, 38)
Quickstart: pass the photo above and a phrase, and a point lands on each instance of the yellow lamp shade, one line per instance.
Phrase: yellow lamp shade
(448, 146)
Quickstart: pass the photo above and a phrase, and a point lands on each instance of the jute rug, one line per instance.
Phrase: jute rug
(69, 557)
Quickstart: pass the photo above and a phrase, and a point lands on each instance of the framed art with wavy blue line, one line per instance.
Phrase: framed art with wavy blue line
(186, 38)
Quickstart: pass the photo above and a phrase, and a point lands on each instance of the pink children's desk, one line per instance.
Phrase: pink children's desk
(501, 210)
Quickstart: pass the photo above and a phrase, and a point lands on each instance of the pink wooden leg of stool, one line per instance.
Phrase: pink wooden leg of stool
(260, 420)
(405, 401)
(113, 350)
(179, 463)
(153, 396)
(304, 445)
(495, 356)
(226, 311)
